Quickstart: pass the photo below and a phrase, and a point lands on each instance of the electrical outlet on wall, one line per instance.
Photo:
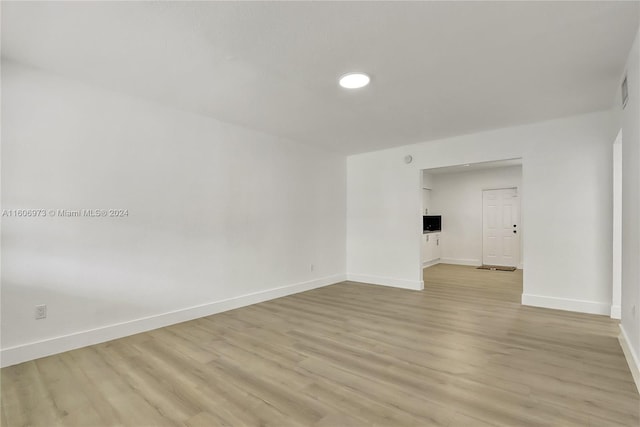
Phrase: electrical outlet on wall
(41, 311)
(312, 267)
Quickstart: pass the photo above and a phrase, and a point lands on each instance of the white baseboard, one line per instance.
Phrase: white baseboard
(616, 312)
(426, 264)
(632, 358)
(581, 306)
(416, 285)
(25, 352)
(461, 261)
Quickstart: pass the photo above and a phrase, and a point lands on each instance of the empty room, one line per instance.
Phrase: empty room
(273, 213)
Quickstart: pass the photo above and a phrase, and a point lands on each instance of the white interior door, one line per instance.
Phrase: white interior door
(501, 227)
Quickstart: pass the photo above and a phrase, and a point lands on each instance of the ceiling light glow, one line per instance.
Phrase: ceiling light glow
(354, 80)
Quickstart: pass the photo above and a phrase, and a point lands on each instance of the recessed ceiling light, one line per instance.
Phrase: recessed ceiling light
(467, 165)
(354, 80)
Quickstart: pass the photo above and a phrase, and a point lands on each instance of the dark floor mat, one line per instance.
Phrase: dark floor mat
(496, 268)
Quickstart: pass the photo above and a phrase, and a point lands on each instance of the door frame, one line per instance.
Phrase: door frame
(616, 291)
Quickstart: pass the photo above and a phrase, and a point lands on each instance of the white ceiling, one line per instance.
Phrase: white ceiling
(437, 68)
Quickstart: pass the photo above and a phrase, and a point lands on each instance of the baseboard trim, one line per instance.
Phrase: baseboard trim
(461, 261)
(35, 350)
(426, 264)
(416, 285)
(632, 358)
(616, 312)
(580, 306)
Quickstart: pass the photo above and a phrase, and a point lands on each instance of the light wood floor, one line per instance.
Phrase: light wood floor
(463, 352)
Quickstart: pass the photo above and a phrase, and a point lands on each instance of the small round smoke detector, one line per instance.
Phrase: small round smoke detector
(408, 159)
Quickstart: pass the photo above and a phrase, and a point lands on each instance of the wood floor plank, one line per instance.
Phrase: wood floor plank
(70, 402)
(463, 352)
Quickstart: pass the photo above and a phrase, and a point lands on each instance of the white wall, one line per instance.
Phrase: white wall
(427, 180)
(567, 176)
(216, 212)
(630, 123)
(458, 198)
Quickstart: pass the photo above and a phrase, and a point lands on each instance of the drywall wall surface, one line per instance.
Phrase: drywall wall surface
(567, 178)
(427, 180)
(214, 212)
(630, 124)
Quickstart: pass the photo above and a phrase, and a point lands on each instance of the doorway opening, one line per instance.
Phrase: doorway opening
(472, 217)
